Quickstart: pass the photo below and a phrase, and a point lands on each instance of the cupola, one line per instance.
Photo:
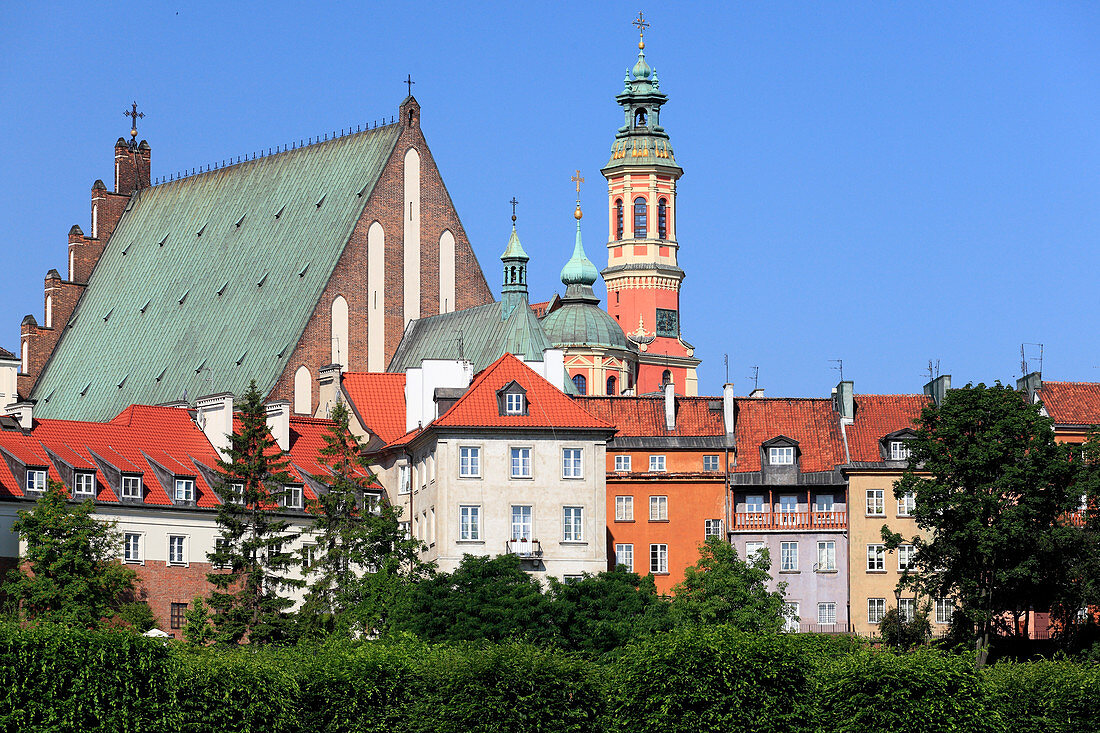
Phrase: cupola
(513, 291)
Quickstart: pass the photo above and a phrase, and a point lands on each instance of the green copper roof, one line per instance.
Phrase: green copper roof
(579, 270)
(514, 250)
(208, 282)
(583, 323)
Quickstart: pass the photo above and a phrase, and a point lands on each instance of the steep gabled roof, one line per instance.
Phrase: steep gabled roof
(547, 406)
(811, 422)
(208, 281)
(1072, 403)
(876, 416)
(378, 399)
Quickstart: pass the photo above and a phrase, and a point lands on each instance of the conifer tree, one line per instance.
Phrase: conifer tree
(362, 558)
(252, 554)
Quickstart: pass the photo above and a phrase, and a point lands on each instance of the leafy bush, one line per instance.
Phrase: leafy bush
(236, 691)
(1055, 696)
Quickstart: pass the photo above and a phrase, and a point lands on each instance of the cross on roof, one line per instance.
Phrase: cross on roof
(640, 23)
(577, 180)
(410, 82)
(513, 202)
(133, 113)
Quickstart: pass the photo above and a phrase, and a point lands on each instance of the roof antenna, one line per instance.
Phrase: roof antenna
(755, 378)
(933, 370)
(1023, 359)
(726, 361)
(839, 367)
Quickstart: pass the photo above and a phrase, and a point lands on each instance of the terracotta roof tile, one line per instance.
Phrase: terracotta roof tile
(645, 416)
(878, 415)
(1072, 403)
(379, 401)
(812, 422)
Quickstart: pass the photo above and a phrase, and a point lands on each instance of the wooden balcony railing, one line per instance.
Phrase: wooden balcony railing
(756, 521)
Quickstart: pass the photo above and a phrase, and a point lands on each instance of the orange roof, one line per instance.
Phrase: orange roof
(812, 422)
(878, 415)
(378, 399)
(645, 416)
(1072, 403)
(547, 406)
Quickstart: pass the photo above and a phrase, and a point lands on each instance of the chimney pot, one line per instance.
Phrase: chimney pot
(214, 415)
(22, 411)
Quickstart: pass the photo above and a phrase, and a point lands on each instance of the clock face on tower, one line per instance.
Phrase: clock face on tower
(667, 323)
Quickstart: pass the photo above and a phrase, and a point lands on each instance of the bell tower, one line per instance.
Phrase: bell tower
(643, 276)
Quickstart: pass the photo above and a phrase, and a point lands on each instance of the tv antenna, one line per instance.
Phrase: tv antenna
(933, 370)
(755, 377)
(839, 367)
(1024, 371)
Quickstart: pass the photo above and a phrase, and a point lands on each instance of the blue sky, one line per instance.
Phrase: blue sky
(883, 183)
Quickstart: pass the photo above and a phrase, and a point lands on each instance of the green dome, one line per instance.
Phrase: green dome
(641, 69)
(582, 323)
(579, 270)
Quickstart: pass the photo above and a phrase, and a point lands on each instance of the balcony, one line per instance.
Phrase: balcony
(789, 521)
(525, 548)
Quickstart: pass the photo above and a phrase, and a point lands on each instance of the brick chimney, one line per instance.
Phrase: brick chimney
(133, 165)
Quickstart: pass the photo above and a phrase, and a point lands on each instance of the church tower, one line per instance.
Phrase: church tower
(642, 275)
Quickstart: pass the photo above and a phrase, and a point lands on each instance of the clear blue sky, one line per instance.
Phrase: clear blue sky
(881, 182)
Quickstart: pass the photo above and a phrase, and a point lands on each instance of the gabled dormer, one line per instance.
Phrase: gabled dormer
(895, 445)
(512, 399)
(779, 455)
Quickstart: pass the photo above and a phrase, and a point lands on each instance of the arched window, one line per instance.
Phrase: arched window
(618, 218)
(49, 311)
(24, 358)
(303, 391)
(339, 336)
(666, 378)
(581, 384)
(639, 218)
(640, 117)
(611, 386)
(662, 219)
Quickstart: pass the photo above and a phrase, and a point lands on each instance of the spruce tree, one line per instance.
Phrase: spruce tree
(362, 557)
(252, 558)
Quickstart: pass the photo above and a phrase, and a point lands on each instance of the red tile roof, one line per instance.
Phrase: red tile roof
(1072, 403)
(379, 401)
(878, 415)
(547, 406)
(812, 422)
(645, 416)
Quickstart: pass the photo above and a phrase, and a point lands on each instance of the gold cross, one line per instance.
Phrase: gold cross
(641, 23)
(578, 180)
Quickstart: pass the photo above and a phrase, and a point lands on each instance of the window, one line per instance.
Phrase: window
(131, 547)
(221, 545)
(36, 479)
(521, 463)
(572, 524)
(669, 327)
(826, 613)
(788, 510)
(131, 487)
(176, 554)
(876, 608)
(662, 218)
(639, 218)
(639, 117)
(710, 463)
(580, 383)
(905, 557)
(666, 377)
(405, 528)
(754, 503)
(624, 508)
(788, 557)
(469, 462)
(781, 455)
(876, 504)
(292, 498)
(876, 558)
(656, 463)
(236, 493)
(404, 480)
(84, 484)
(177, 616)
(899, 450)
(521, 523)
(658, 508)
(790, 617)
(469, 522)
(712, 528)
(309, 556)
(622, 463)
(823, 502)
(624, 555)
(658, 558)
(907, 609)
(185, 489)
(618, 218)
(906, 504)
(826, 556)
(571, 463)
(945, 609)
(611, 386)
(515, 403)
(753, 550)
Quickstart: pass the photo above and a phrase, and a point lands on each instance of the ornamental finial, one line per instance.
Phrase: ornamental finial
(641, 24)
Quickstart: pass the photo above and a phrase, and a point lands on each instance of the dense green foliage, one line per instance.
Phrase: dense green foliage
(74, 575)
(696, 678)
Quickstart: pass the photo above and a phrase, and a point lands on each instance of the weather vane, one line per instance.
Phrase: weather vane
(134, 114)
(641, 24)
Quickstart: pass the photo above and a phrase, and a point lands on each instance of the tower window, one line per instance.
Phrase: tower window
(639, 218)
(618, 218)
(640, 117)
(581, 384)
(666, 377)
(662, 219)
(611, 384)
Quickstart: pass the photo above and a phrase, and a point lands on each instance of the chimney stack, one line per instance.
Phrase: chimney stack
(937, 388)
(757, 394)
(670, 406)
(727, 407)
(214, 415)
(278, 422)
(844, 400)
(22, 411)
(328, 387)
(1030, 383)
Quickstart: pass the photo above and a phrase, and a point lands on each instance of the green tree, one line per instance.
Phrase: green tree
(723, 589)
(196, 623)
(991, 486)
(70, 571)
(252, 553)
(901, 633)
(363, 556)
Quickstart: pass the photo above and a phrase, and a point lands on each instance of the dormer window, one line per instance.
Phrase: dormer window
(131, 487)
(781, 455)
(292, 499)
(896, 445)
(185, 489)
(84, 483)
(899, 450)
(512, 399)
(36, 479)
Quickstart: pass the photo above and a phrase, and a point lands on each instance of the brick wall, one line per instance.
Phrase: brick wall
(160, 585)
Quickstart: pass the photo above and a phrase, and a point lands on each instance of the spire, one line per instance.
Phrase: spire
(514, 286)
(579, 274)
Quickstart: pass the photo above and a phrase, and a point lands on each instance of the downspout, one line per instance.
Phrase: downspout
(848, 510)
